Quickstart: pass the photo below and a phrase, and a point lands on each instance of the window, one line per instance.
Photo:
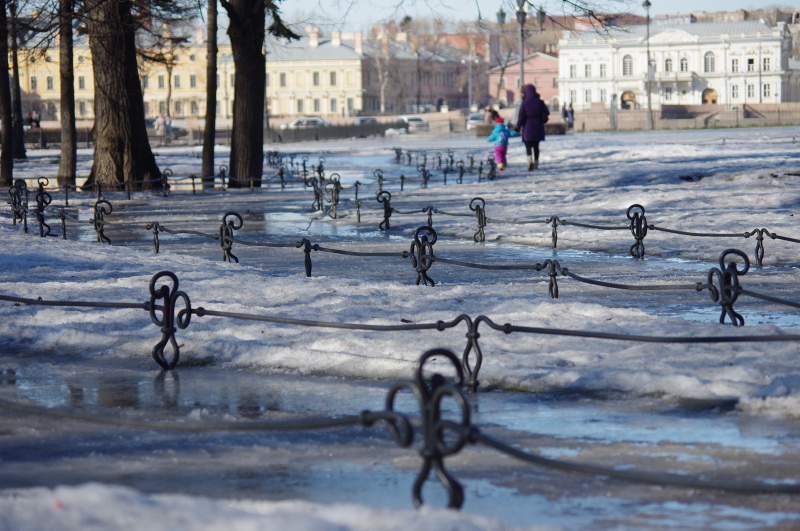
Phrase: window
(82, 108)
(316, 105)
(178, 108)
(602, 70)
(734, 92)
(751, 91)
(708, 62)
(751, 64)
(573, 95)
(684, 65)
(81, 83)
(146, 108)
(300, 106)
(283, 79)
(217, 79)
(667, 93)
(216, 107)
(50, 83)
(587, 96)
(192, 81)
(765, 64)
(627, 65)
(333, 105)
(603, 95)
(145, 82)
(162, 107)
(232, 78)
(668, 65)
(587, 70)
(734, 65)
(177, 82)
(267, 79)
(766, 90)
(160, 82)
(503, 82)
(315, 79)
(349, 104)
(573, 71)
(193, 108)
(34, 83)
(333, 80)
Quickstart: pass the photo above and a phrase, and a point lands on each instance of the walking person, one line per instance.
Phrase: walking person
(500, 135)
(160, 128)
(533, 114)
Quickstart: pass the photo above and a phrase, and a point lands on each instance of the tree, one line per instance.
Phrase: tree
(68, 163)
(7, 142)
(210, 130)
(247, 31)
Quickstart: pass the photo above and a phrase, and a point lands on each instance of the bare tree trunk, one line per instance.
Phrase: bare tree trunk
(209, 133)
(19, 133)
(7, 142)
(67, 166)
(246, 30)
(122, 151)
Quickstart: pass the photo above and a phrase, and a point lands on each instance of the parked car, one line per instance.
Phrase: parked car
(365, 120)
(414, 124)
(474, 120)
(306, 122)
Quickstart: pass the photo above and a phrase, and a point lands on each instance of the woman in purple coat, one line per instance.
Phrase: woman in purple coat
(533, 114)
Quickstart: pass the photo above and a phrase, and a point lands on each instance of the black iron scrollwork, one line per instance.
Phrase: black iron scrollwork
(101, 209)
(168, 320)
(223, 172)
(307, 248)
(554, 221)
(759, 234)
(385, 198)
(728, 291)
(333, 187)
(318, 199)
(441, 437)
(639, 227)
(379, 179)
(43, 199)
(165, 188)
(19, 203)
(156, 228)
(422, 253)
(478, 205)
(226, 235)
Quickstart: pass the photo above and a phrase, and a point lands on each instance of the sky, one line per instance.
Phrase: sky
(359, 14)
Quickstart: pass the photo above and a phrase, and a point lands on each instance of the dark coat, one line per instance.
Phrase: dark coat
(533, 114)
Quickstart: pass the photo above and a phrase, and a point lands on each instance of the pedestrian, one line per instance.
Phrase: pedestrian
(168, 127)
(570, 116)
(160, 128)
(490, 115)
(533, 114)
(35, 120)
(500, 135)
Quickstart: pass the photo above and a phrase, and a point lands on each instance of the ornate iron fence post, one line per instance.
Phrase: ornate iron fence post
(471, 158)
(101, 209)
(728, 291)
(317, 203)
(492, 173)
(223, 172)
(321, 169)
(168, 320)
(386, 199)
(441, 438)
(166, 174)
(553, 221)
(461, 171)
(429, 210)
(402, 181)
(408, 157)
(445, 171)
(478, 205)
(19, 203)
(759, 234)
(62, 215)
(480, 171)
(194, 188)
(99, 181)
(307, 248)
(226, 235)
(156, 228)
(398, 153)
(43, 199)
(358, 211)
(333, 186)
(379, 179)
(639, 227)
(422, 253)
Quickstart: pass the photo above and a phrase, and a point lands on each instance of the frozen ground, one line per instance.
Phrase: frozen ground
(726, 410)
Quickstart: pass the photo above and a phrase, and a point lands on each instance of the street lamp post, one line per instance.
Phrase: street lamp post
(647, 5)
(522, 13)
(501, 20)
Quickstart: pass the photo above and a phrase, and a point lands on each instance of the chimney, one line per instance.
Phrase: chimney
(336, 38)
(359, 46)
(199, 36)
(313, 36)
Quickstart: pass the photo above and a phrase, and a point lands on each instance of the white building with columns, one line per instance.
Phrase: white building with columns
(726, 63)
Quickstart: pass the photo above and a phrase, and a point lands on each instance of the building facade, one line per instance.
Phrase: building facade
(727, 63)
(541, 69)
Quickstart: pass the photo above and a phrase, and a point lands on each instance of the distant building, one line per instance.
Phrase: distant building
(540, 69)
(729, 63)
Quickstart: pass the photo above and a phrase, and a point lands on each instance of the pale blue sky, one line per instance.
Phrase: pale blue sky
(359, 14)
